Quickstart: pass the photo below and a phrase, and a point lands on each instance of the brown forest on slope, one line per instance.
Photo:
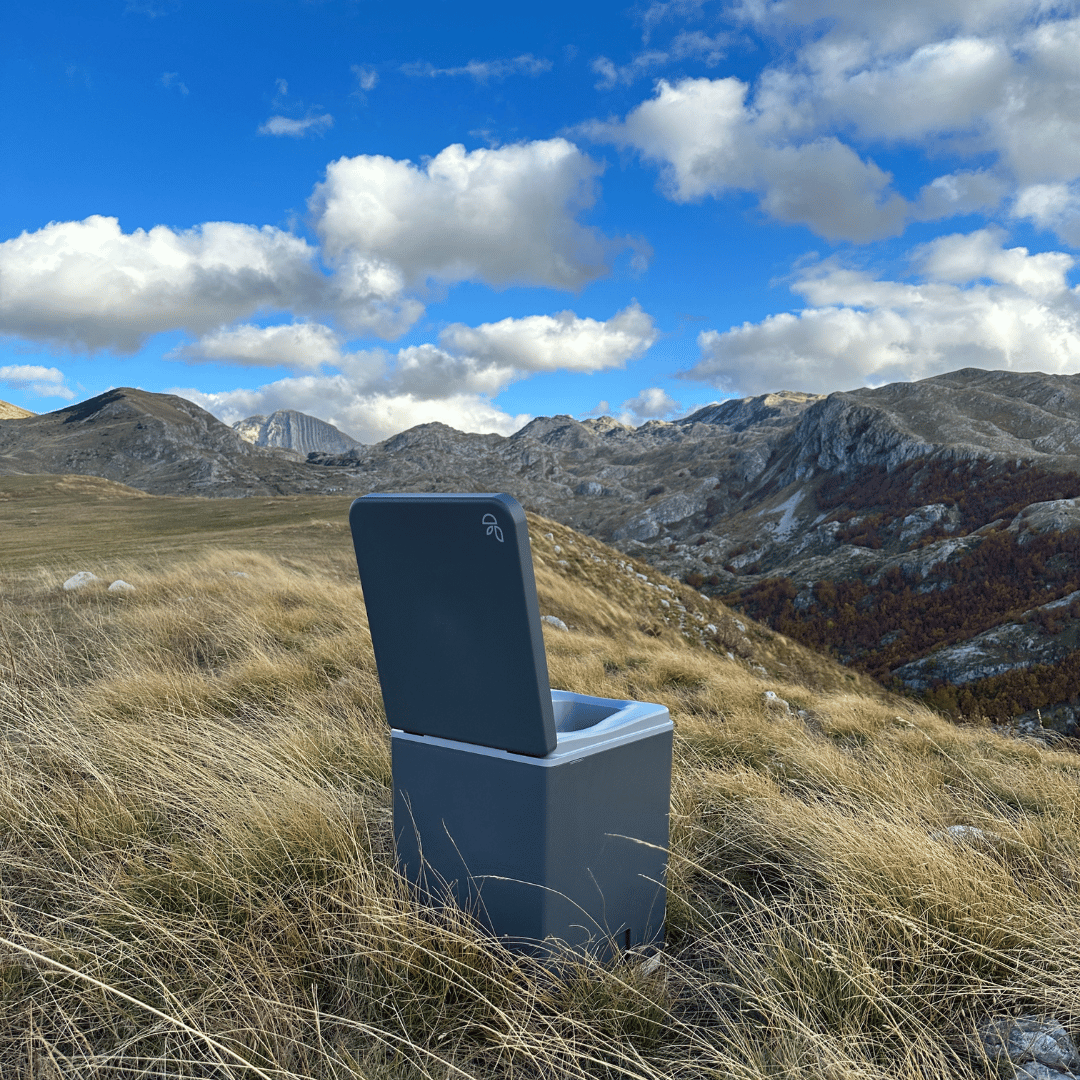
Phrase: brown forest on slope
(982, 491)
(880, 624)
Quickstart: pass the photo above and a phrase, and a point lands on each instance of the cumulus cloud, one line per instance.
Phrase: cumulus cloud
(991, 84)
(1054, 207)
(87, 285)
(961, 258)
(45, 381)
(482, 70)
(378, 392)
(549, 342)
(653, 403)
(707, 142)
(389, 230)
(962, 192)
(300, 346)
(366, 416)
(504, 216)
(896, 27)
(297, 129)
(985, 306)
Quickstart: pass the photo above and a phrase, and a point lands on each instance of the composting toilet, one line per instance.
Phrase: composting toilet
(544, 813)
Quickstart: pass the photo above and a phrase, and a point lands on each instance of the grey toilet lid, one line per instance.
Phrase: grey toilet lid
(455, 623)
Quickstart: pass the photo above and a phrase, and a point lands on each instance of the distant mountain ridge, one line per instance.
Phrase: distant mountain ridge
(928, 532)
(158, 443)
(292, 430)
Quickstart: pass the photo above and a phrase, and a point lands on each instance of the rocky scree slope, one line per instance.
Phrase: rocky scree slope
(288, 429)
(159, 443)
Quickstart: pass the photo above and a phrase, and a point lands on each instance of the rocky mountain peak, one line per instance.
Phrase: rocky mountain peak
(296, 431)
(606, 426)
(159, 443)
(562, 431)
(736, 415)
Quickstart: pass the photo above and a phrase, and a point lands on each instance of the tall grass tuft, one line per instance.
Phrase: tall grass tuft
(196, 867)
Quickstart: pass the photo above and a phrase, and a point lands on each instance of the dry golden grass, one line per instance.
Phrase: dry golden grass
(196, 874)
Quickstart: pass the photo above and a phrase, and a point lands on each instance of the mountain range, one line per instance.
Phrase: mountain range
(926, 532)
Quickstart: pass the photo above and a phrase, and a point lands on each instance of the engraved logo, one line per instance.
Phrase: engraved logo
(493, 527)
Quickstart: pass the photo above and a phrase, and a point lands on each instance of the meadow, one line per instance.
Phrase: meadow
(196, 865)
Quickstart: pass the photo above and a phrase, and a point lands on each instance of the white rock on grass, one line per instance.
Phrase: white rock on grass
(121, 586)
(971, 835)
(553, 620)
(80, 580)
(774, 703)
(1040, 1048)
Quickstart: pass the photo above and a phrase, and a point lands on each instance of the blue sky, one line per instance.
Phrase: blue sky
(385, 214)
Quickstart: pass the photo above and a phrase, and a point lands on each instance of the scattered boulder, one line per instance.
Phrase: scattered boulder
(553, 620)
(80, 580)
(971, 836)
(774, 704)
(1041, 1049)
(121, 586)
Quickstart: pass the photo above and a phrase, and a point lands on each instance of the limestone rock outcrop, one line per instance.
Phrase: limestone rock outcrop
(288, 429)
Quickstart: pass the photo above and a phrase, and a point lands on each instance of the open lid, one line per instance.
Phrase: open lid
(455, 623)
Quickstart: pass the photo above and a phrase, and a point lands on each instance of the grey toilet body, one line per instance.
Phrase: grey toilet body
(544, 813)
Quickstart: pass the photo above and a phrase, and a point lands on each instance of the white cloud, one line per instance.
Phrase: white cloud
(707, 141)
(689, 45)
(87, 285)
(503, 216)
(991, 84)
(378, 392)
(653, 403)
(549, 342)
(300, 346)
(1018, 313)
(172, 79)
(284, 125)
(45, 381)
(483, 359)
(961, 258)
(482, 70)
(389, 229)
(367, 416)
(896, 27)
(942, 87)
(959, 193)
(366, 78)
(1055, 207)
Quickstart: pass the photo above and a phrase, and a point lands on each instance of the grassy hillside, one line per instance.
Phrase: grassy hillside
(196, 851)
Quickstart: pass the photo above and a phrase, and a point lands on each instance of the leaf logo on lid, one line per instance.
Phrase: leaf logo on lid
(493, 527)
